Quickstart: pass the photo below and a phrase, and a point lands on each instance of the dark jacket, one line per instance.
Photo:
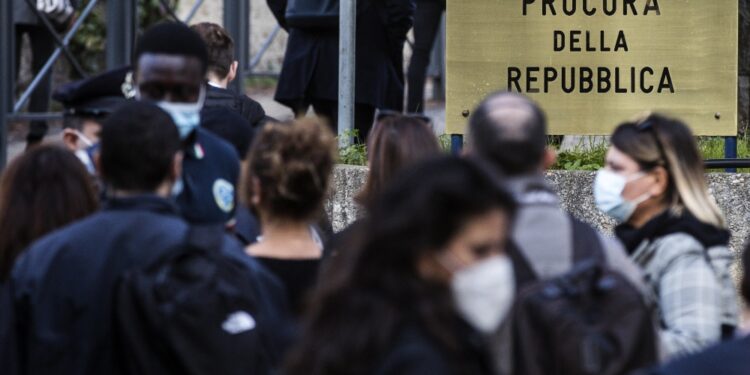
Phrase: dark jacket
(310, 68)
(61, 287)
(251, 110)
(415, 353)
(210, 173)
(729, 358)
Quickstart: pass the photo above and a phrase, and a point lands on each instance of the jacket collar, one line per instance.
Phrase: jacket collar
(668, 223)
(146, 202)
(532, 190)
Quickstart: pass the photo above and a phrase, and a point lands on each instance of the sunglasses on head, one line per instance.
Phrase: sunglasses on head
(648, 127)
(383, 114)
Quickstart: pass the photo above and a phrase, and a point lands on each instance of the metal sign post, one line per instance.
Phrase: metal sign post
(121, 27)
(347, 60)
(236, 22)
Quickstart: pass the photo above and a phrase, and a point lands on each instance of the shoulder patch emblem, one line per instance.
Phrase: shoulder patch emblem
(224, 195)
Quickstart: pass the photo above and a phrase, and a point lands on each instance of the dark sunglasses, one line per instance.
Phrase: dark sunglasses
(383, 114)
(648, 127)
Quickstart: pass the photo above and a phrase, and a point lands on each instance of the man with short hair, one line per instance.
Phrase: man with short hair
(170, 63)
(509, 131)
(222, 69)
(87, 103)
(61, 292)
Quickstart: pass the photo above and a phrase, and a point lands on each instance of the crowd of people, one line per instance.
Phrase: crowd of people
(176, 228)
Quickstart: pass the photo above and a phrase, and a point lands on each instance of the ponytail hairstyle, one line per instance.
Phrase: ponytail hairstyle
(293, 164)
(658, 141)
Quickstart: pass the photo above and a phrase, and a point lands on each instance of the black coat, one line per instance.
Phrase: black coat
(310, 69)
(248, 108)
(60, 292)
(415, 353)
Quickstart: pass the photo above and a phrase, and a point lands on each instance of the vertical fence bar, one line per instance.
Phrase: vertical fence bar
(7, 74)
(121, 28)
(347, 61)
(237, 23)
(457, 143)
(730, 151)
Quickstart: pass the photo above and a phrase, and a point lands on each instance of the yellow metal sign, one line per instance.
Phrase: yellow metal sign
(592, 64)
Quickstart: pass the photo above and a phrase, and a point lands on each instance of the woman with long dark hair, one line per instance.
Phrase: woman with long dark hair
(396, 142)
(431, 273)
(42, 190)
(654, 185)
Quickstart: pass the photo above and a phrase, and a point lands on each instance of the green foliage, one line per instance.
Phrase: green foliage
(445, 142)
(356, 152)
(261, 83)
(89, 42)
(590, 159)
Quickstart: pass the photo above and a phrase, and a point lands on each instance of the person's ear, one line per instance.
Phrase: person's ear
(550, 158)
(429, 268)
(70, 139)
(661, 178)
(177, 166)
(255, 194)
(233, 71)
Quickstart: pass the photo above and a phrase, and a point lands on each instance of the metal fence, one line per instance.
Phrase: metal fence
(122, 28)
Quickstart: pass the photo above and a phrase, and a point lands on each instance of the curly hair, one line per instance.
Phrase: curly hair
(220, 47)
(292, 163)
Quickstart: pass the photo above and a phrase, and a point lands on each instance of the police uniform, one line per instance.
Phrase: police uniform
(60, 292)
(210, 173)
(94, 97)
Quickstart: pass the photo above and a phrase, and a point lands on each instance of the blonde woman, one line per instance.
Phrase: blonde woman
(654, 185)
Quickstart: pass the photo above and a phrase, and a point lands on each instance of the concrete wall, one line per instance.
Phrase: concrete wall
(732, 192)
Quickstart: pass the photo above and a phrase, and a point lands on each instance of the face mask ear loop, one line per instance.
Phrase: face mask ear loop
(84, 138)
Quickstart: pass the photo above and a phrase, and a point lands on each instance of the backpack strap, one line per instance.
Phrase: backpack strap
(522, 270)
(586, 242)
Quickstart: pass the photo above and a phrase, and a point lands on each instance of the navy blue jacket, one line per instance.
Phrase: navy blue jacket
(210, 172)
(61, 288)
(728, 358)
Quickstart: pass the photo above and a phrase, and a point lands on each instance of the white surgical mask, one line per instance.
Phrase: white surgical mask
(484, 292)
(608, 188)
(187, 116)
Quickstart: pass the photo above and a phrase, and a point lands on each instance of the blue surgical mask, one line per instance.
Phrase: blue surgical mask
(608, 188)
(186, 116)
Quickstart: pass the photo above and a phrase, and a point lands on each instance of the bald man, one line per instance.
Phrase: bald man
(509, 132)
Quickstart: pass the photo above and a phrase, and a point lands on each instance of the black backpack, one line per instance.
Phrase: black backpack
(190, 312)
(316, 14)
(591, 320)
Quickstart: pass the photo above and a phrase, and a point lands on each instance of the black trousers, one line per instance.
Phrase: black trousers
(42, 46)
(364, 115)
(426, 23)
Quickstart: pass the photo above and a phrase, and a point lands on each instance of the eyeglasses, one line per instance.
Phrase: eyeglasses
(383, 114)
(648, 126)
